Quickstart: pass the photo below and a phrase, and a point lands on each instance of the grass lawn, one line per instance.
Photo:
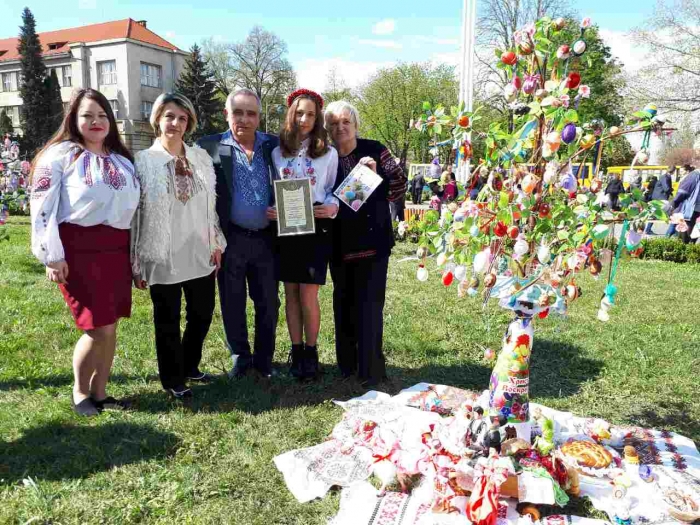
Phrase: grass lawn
(211, 462)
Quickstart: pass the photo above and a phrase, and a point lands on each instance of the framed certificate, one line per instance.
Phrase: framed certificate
(295, 207)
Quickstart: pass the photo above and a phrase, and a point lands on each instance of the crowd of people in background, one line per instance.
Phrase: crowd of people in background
(442, 188)
(178, 219)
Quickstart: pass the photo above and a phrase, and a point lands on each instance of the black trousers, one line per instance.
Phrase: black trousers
(250, 263)
(359, 289)
(685, 236)
(179, 357)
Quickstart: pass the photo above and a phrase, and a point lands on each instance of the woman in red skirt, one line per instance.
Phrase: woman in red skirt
(84, 195)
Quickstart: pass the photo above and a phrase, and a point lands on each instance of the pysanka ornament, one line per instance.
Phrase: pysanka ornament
(568, 134)
(651, 109)
(579, 48)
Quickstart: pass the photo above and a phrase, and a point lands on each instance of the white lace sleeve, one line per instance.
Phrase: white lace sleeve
(218, 237)
(47, 180)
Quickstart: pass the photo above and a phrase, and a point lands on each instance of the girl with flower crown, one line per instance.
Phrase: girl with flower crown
(304, 152)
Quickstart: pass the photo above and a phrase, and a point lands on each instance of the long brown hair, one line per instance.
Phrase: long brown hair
(69, 127)
(290, 141)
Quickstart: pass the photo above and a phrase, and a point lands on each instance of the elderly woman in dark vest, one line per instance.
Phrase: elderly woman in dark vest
(363, 241)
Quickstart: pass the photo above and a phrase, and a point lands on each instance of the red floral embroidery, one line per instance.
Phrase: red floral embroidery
(41, 184)
(88, 170)
(111, 175)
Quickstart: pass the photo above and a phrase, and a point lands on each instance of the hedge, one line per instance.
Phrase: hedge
(671, 249)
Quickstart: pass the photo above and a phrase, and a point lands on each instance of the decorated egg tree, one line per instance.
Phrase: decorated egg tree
(532, 229)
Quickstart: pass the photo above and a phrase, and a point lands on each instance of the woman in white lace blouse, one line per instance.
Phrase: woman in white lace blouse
(84, 195)
(304, 152)
(177, 242)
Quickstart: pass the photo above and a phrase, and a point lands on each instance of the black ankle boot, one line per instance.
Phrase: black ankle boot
(296, 360)
(309, 364)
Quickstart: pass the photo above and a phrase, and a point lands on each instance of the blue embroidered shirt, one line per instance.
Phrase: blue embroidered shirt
(251, 185)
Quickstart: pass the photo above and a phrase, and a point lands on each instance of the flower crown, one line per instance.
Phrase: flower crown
(299, 92)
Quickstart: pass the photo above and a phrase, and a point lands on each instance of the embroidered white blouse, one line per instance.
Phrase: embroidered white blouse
(176, 229)
(71, 184)
(322, 171)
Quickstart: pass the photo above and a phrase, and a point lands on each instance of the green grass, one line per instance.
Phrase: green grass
(211, 462)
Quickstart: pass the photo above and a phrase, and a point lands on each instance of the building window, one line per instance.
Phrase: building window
(13, 113)
(9, 82)
(107, 72)
(115, 106)
(151, 75)
(146, 108)
(66, 76)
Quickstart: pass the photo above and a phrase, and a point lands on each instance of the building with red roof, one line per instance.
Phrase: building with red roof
(126, 61)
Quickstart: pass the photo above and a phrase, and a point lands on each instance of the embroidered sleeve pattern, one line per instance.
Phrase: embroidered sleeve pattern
(397, 179)
(329, 177)
(46, 191)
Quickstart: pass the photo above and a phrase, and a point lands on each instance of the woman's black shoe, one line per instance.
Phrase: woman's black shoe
(309, 364)
(295, 360)
(85, 408)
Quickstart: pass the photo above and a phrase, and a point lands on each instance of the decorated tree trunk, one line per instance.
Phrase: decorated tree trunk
(510, 379)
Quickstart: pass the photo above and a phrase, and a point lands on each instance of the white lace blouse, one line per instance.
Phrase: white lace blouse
(71, 184)
(176, 229)
(322, 171)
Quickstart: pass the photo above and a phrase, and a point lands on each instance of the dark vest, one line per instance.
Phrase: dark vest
(223, 157)
(370, 228)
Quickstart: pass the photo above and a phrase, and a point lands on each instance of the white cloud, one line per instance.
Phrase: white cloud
(622, 47)
(87, 4)
(437, 41)
(386, 44)
(313, 73)
(385, 27)
(170, 34)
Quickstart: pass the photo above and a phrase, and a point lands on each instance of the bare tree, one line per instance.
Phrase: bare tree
(500, 19)
(497, 22)
(258, 63)
(336, 87)
(671, 74)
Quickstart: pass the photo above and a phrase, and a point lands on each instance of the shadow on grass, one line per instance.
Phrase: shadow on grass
(56, 451)
(558, 370)
(667, 415)
(57, 381)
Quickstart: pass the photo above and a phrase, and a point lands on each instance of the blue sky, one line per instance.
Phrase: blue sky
(356, 37)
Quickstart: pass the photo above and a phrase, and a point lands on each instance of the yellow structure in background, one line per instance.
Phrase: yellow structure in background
(647, 172)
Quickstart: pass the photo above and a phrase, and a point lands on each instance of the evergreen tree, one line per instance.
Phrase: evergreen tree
(5, 125)
(197, 83)
(32, 90)
(54, 104)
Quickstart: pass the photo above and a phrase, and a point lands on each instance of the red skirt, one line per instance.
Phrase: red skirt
(98, 292)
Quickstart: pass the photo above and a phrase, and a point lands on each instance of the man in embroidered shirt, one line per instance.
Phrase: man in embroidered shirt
(244, 171)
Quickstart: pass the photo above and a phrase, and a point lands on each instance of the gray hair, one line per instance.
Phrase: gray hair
(178, 99)
(244, 92)
(336, 108)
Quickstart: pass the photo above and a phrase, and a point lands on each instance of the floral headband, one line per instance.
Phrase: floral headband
(300, 92)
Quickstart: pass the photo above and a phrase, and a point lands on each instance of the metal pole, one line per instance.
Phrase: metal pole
(466, 77)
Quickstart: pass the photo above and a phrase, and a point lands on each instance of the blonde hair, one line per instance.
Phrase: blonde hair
(179, 100)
